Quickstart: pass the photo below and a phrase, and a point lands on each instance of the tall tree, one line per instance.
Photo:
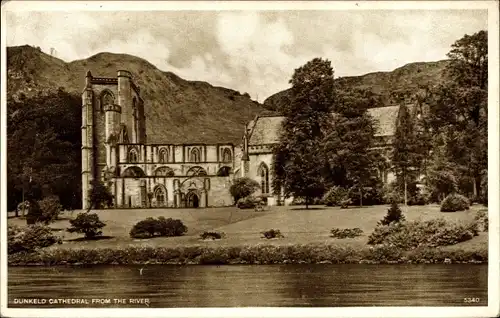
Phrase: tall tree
(407, 153)
(349, 141)
(299, 162)
(458, 108)
(43, 148)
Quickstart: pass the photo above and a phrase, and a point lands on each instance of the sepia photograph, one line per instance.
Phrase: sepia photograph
(211, 158)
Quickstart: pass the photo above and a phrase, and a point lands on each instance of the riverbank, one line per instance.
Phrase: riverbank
(258, 254)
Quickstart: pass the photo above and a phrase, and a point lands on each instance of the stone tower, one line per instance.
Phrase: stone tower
(112, 114)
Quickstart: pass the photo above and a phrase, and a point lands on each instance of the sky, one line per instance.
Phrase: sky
(249, 51)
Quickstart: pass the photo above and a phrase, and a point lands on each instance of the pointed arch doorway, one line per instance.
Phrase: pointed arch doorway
(192, 200)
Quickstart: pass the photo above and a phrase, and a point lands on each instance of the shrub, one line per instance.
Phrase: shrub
(144, 228)
(151, 227)
(29, 238)
(482, 219)
(336, 196)
(346, 233)
(272, 233)
(88, 224)
(25, 205)
(431, 233)
(247, 202)
(243, 187)
(171, 227)
(420, 197)
(454, 202)
(34, 213)
(50, 209)
(211, 235)
(394, 214)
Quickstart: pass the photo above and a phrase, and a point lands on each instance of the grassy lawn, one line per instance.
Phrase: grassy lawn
(243, 227)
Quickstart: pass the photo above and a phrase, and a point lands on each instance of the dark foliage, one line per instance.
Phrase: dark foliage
(211, 235)
(455, 202)
(345, 233)
(88, 224)
(394, 214)
(161, 226)
(43, 148)
(29, 238)
(243, 187)
(272, 233)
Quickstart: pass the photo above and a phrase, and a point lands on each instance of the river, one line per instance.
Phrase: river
(160, 286)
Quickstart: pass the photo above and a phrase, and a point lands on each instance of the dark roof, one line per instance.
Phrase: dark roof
(265, 129)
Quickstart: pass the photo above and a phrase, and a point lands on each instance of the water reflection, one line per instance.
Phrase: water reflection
(273, 285)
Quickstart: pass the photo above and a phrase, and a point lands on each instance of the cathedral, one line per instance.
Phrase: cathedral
(143, 175)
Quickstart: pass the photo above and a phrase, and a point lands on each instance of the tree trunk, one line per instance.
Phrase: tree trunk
(360, 197)
(406, 195)
(474, 187)
(307, 203)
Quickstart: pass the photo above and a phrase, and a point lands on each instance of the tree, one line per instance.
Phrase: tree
(44, 148)
(99, 196)
(88, 224)
(469, 60)
(407, 154)
(349, 141)
(299, 163)
(243, 187)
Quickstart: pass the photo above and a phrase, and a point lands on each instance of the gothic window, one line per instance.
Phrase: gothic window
(224, 171)
(160, 194)
(132, 156)
(195, 155)
(163, 155)
(133, 172)
(164, 172)
(226, 155)
(107, 98)
(264, 178)
(196, 171)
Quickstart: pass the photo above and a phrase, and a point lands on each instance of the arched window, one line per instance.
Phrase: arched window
(107, 98)
(160, 194)
(195, 155)
(226, 155)
(196, 171)
(163, 155)
(264, 178)
(133, 172)
(132, 155)
(224, 171)
(164, 172)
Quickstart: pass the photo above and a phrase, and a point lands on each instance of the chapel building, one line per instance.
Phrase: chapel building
(143, 175)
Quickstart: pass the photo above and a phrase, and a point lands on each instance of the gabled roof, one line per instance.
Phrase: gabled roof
(265, 129)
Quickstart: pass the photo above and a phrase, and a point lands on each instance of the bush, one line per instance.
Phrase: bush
(272, 233)
(431, 233)
(171, 227)
(394, 214)
(482, 219)
(346, 233)
(50, 209)
(29, 238)
(454, 202)
(151, 227)
(336, 196)
(144, 228)
(34, 213)
(88, 224)
(420, 197)
(243, 187)
(211, 235)
(247, 202)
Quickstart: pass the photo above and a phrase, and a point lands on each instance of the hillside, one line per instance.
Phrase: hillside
(181, 111)
(406, 79)
(177, 111)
